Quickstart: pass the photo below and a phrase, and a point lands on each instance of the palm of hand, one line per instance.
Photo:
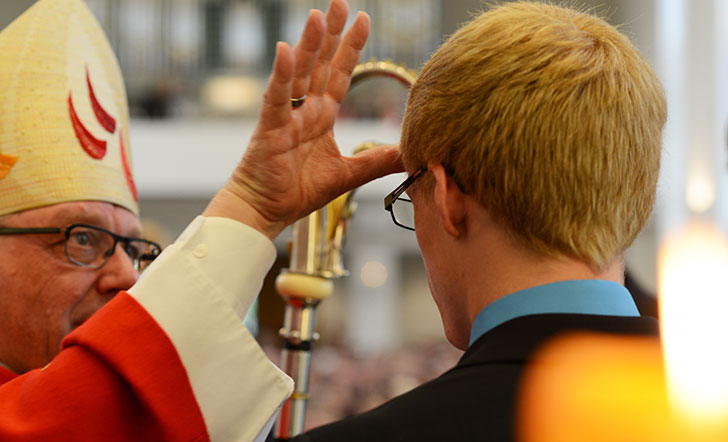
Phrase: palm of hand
(292, 165)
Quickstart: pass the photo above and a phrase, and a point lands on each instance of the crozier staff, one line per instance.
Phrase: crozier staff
(90, 350)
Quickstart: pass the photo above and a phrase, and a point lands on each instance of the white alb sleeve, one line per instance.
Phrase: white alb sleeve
(198, 290)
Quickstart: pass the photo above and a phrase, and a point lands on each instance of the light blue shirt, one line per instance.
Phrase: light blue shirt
(588, 297)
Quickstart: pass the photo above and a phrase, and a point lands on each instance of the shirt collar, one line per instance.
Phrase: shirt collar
(587, 297)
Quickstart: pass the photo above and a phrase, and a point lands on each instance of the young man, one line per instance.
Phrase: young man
(532, 138)
(166, 359)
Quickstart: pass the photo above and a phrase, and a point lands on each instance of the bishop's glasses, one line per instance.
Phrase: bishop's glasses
(91, 246)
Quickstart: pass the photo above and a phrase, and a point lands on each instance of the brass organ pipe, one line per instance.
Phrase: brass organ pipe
(316, 247)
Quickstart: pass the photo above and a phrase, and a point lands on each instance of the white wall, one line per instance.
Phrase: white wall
(193, 158)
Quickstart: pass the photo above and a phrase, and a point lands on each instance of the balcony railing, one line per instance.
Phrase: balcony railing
(172, 47)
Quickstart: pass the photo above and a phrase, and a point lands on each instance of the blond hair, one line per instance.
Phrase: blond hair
(551, 119)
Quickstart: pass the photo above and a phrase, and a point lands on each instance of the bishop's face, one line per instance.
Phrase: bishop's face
(444, 274)
(43, 296)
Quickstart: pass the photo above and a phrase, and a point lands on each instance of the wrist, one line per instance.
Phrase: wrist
(227, 204)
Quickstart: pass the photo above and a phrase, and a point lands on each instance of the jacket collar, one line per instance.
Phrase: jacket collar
(515, 340)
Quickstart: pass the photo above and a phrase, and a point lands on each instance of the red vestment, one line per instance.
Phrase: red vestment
(118, 378)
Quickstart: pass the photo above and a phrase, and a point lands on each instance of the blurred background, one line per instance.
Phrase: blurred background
(195, 71)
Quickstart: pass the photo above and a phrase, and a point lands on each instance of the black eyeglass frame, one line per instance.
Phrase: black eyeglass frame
(125, 240)
(399, 190)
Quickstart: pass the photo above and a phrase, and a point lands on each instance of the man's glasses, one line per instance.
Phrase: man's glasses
(91, 246)
(401, 209)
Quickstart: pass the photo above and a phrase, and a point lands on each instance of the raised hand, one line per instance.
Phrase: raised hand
(292, 165)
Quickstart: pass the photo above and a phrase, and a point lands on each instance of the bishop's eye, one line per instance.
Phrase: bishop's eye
(132, 250)
(83, 238)
(87, 246)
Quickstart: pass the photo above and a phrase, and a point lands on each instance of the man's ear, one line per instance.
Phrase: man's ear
(449, 200)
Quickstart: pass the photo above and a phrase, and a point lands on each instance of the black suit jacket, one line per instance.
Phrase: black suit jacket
(475, 400)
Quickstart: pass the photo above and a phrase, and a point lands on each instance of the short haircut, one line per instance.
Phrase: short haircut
(551, 119)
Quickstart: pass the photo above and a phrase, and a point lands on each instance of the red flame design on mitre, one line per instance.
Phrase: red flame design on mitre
(94, 147)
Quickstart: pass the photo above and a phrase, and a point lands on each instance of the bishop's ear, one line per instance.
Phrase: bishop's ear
(449, 200)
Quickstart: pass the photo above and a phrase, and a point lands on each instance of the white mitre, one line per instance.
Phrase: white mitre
(64, 119)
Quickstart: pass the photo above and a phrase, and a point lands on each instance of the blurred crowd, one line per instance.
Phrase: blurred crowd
(343, 384)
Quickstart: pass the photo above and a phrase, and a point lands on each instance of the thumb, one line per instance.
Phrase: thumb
(372, 164)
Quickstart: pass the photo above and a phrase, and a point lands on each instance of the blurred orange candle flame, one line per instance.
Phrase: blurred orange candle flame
(603, 387)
